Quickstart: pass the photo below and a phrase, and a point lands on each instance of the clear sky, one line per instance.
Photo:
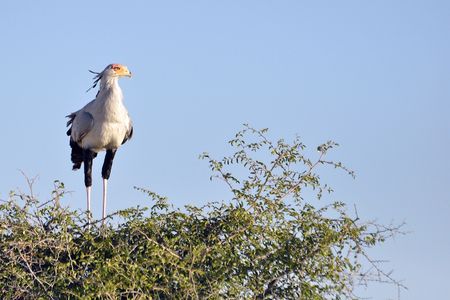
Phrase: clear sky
(372, 75)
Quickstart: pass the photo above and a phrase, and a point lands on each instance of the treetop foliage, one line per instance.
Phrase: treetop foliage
(267, 242)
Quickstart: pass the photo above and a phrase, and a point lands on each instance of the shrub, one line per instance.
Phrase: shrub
(267, 242)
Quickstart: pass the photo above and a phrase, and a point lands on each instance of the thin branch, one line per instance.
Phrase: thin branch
(34, 275)
(170, 251)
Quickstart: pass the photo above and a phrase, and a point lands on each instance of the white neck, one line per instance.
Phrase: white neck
(108, 82)
(110, 90)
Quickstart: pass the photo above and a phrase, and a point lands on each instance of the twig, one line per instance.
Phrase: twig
(158, 244)
(33, 274)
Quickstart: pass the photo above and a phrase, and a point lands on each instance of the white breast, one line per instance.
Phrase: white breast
(111, 121)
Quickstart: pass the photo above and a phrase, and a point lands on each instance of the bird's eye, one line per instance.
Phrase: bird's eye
(115, 68)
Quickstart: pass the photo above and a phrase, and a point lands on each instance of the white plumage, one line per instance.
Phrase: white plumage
(102, 124)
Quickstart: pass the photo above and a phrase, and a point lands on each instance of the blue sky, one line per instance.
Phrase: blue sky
(372, 75)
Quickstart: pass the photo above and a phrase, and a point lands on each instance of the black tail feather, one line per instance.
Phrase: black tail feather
(76, 155)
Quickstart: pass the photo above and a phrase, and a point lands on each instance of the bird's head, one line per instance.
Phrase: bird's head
(117, 70)
(112, 70)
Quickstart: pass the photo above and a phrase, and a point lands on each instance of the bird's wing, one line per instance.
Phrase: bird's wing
(82, 122)
(74, 114)
(129, 133)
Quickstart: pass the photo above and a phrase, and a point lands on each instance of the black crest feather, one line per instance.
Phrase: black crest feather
(97, 78)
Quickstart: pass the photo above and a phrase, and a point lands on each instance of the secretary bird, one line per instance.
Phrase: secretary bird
(101, 125)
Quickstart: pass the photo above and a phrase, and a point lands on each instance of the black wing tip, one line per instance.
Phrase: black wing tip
(128, 136)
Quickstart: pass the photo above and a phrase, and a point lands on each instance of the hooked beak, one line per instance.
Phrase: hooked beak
(123, 72)
(126, 73)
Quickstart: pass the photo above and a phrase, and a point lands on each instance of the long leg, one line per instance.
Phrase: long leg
(88, 156)
(106, 172)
